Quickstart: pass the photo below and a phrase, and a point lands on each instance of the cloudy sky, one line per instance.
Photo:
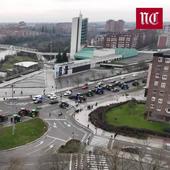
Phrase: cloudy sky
(64, 10)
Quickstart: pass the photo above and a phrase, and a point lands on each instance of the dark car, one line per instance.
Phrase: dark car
(90, 93)
(64, 105)
(72, 97)
(60, 114)
(99, 90)
(115, 90)
(135, 83)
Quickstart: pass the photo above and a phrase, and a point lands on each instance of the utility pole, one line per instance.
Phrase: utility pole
(13, 126)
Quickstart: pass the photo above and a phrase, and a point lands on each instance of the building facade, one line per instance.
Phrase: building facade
(121, 40)
(163, 41)
(78, 34)
(158, 93)
(114, 26)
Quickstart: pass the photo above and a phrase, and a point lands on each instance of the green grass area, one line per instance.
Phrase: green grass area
(132, 115)
(25, 132)
(15, 59)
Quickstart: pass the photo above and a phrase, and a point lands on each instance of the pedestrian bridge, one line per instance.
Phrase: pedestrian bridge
(28, 50)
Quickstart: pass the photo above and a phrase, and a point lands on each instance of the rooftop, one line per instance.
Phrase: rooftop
(26, 64)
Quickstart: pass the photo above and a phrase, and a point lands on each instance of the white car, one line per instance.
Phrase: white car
(122, 77)
(51, 94)
(68, 93)
(54, 96)
(34, 98)
(134, 75)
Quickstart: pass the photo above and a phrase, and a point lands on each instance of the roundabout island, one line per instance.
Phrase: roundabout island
(128, 118)
(22, 133)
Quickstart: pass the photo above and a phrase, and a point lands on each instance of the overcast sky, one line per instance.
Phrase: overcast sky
(64, 10)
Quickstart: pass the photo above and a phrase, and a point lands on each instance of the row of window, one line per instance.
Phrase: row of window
(167, 110)
(164, 77)
(163, 84)
(167, 60)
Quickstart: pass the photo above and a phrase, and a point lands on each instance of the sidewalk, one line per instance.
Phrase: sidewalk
(6, 83)
(82, 118)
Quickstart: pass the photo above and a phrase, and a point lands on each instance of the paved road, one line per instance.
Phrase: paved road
(61, 129)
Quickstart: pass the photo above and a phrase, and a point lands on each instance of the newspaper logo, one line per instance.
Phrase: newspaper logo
(149, 18)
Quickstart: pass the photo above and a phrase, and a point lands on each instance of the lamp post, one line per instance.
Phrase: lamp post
(13, 126)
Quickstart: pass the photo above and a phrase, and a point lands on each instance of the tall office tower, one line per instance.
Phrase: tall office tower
(78, 35)
(158, 97)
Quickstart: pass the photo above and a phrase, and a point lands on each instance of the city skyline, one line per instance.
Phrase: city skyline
(65, 10)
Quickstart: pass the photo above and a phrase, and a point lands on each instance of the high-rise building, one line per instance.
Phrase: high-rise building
(158, 93)
(78, 34)
(164, 40)
(114, 26)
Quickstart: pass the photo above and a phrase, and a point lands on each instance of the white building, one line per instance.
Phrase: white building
(68, 68)
(75, 36)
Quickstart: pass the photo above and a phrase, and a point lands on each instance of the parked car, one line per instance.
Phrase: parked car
(37, 97)
(38, 100)
(109, 87)
(53, 101)
(73, 97)
(122, 78)
(64, 105)
(68, 93)
(89, 93)
(60, 114)
(53, 97)
(115, 90)
(99, 90)
(124, 86)
(135, 83)
(51, 94)
(85, 86)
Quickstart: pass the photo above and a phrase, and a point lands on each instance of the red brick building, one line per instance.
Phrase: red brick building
(158, 97)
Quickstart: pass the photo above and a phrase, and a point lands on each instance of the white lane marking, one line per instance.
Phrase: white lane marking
(70, 164)
(39, 148)
(54, 119)
(67, 124)
(61, 124)
(41, 142)
(56, 138)
(51, 146)
(54, 125)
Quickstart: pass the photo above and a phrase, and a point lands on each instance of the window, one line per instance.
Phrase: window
(163, 85)
(160, 59)
(160, 101)
(154, 91)
(152, 106)
(161, 93)
(167, 110)
(157, 75)
(159, 108)
(167, 60)
(153, 99)
(166, 68)
(156, 83)
(164, 77)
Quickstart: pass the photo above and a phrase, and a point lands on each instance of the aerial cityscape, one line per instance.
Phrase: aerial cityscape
(86, 89)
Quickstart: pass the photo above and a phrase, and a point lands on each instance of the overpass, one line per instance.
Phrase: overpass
(28, 50)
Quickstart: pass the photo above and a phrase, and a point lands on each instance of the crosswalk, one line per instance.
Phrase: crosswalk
(90, 162)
